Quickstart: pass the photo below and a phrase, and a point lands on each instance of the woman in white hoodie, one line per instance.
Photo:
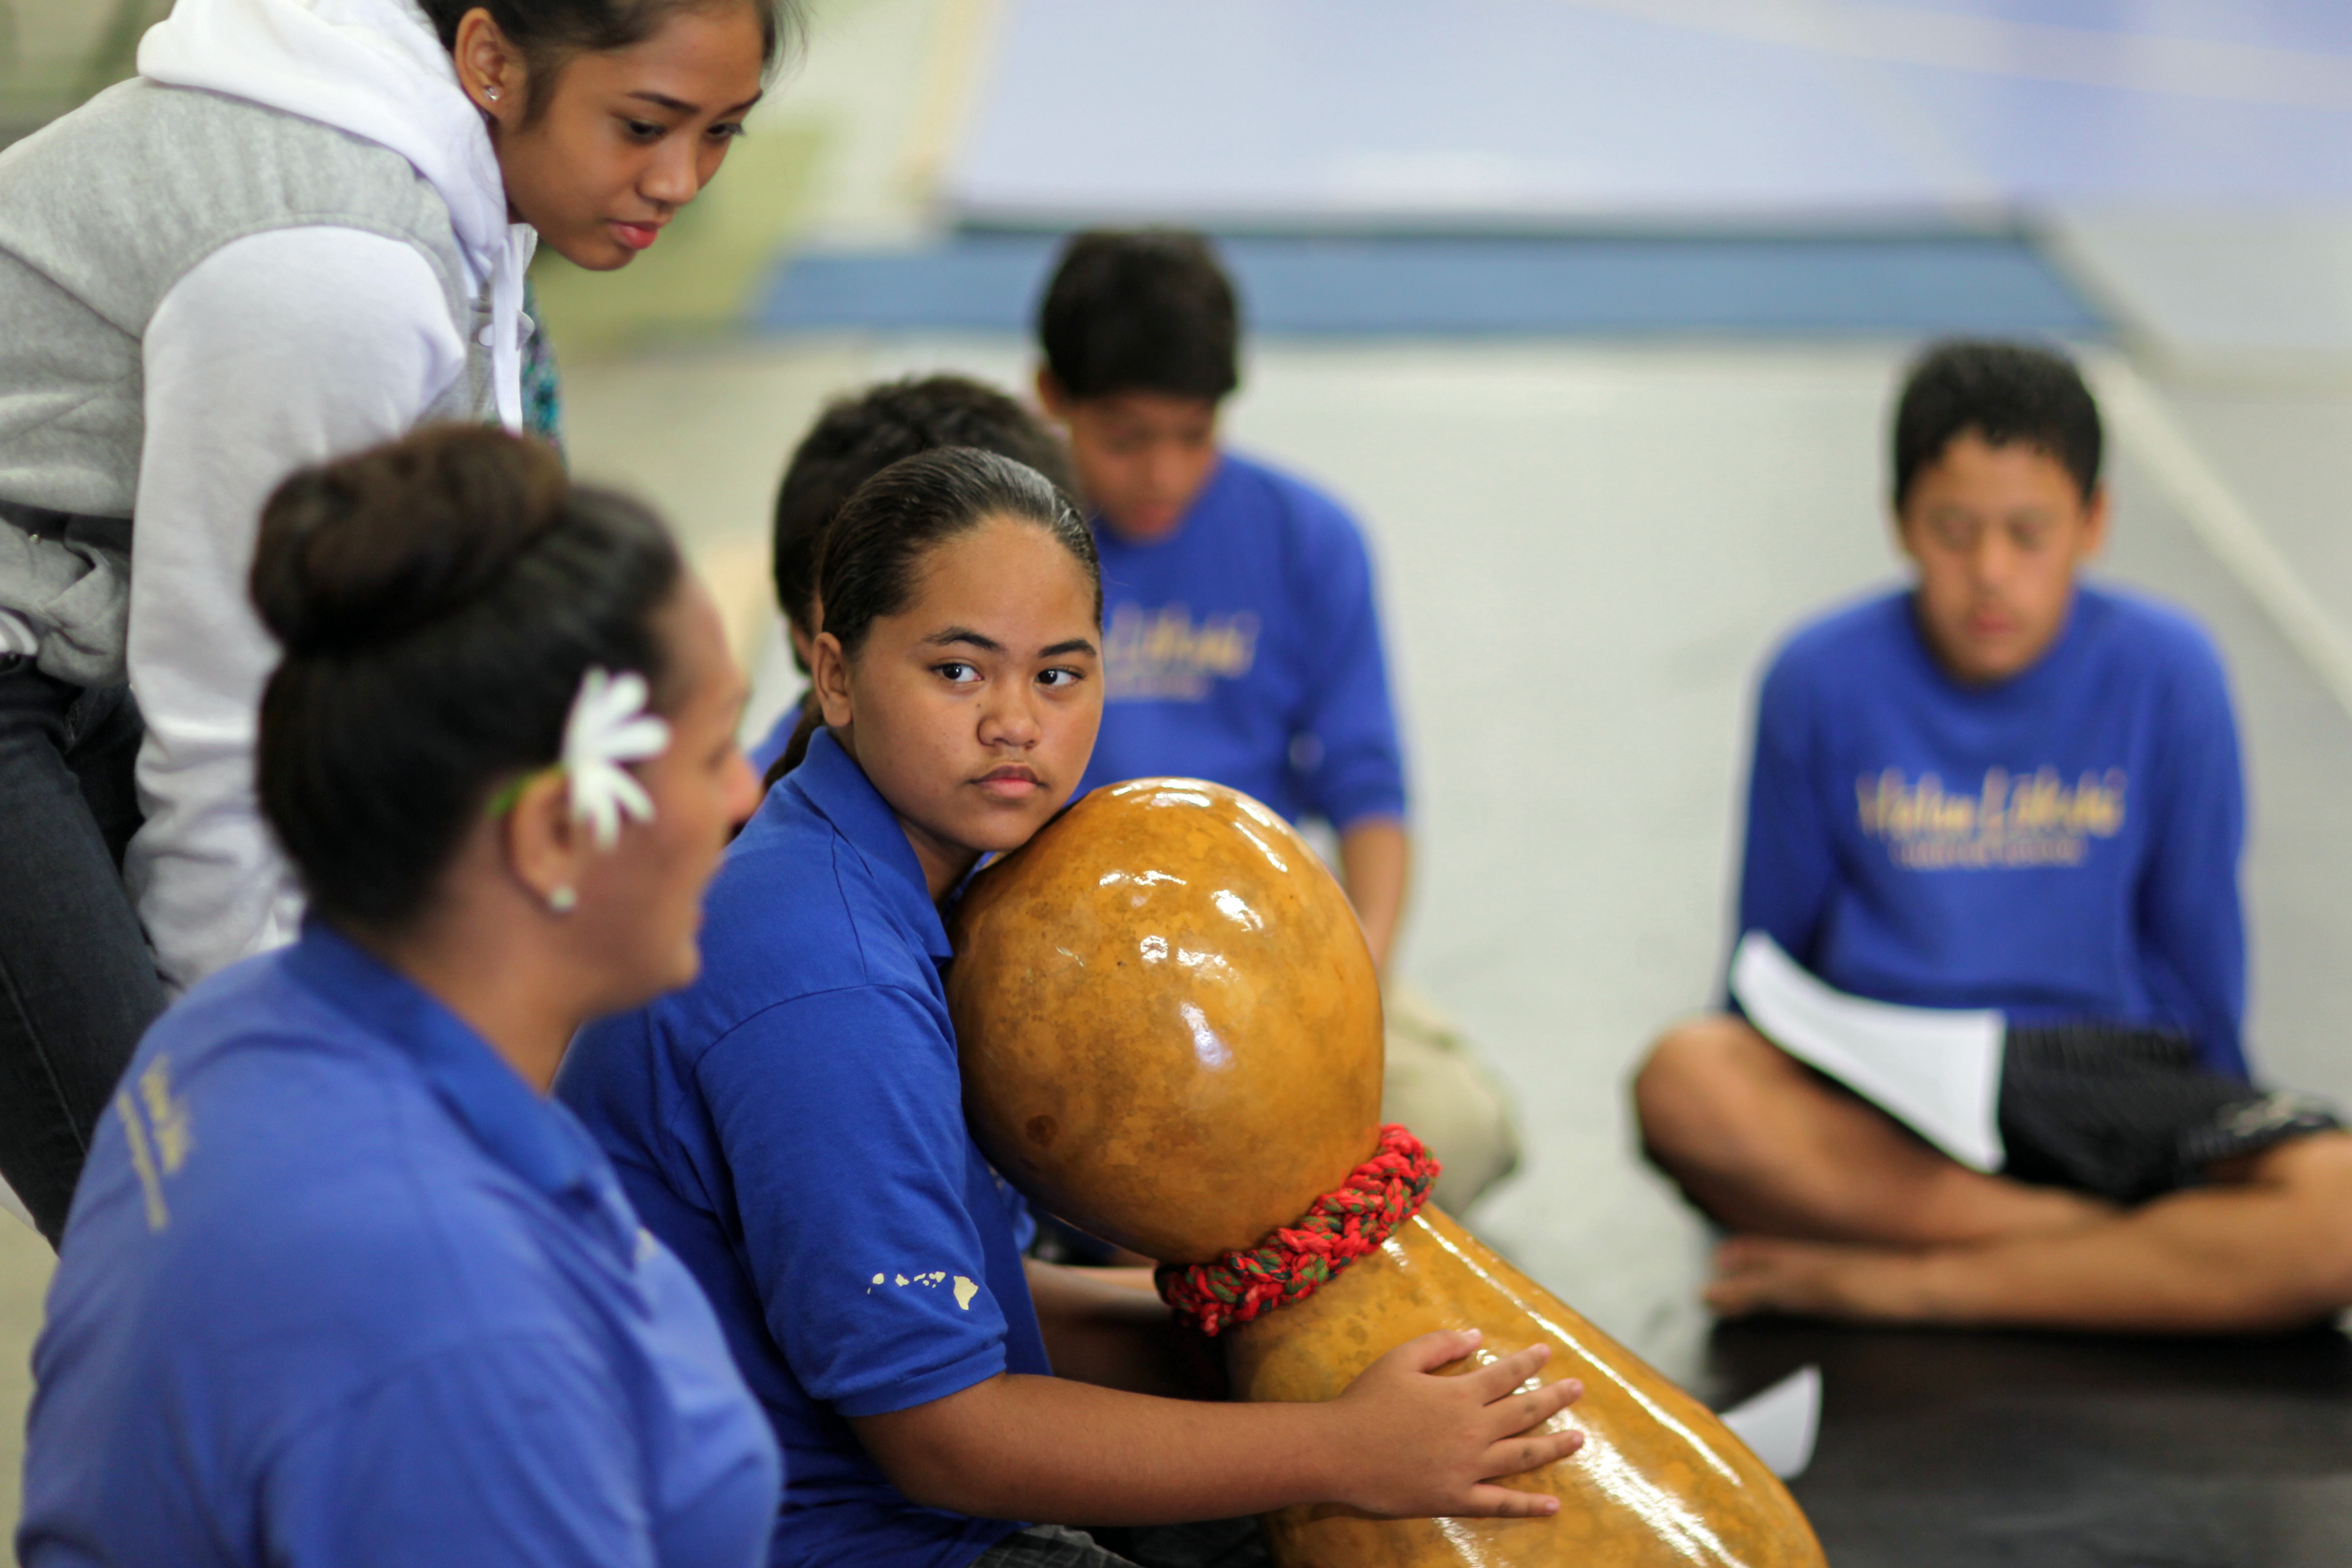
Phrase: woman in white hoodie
(301, 230)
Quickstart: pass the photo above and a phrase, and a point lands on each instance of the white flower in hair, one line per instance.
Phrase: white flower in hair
(609, 726)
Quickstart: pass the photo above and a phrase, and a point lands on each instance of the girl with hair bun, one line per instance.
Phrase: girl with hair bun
(343, 1286)
(793, 1124)
(301, 230)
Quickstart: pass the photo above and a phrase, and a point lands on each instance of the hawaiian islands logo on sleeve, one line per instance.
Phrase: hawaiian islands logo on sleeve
(1164, 655)
(2013, 821)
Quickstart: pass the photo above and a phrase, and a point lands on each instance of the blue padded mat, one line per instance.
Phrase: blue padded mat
(1432, 286)
(1232, 110)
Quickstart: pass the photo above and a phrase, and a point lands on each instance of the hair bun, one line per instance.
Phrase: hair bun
(365, 550)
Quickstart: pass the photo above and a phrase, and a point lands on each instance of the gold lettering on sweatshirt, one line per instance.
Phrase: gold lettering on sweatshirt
(1165, 655)
(2010, 822)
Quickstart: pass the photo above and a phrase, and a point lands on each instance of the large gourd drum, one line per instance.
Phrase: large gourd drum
(1171, 1036)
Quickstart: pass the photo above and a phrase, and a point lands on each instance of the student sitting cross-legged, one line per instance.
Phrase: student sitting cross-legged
(793, 1124)
(1243, 642)
(853, 439)
(2006, 788)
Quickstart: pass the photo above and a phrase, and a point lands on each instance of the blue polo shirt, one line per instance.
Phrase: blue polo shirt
(2061, 845)
(793, 1126)
(1244, 647)
(340, 1289)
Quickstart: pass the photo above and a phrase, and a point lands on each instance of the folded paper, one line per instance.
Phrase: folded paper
(1935, 1069)
(1779, 1425)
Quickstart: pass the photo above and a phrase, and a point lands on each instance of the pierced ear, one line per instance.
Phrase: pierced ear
(489, 69)
(829, 678)
(545, 847)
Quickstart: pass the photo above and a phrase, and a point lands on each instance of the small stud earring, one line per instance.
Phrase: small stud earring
(563, 900)
(490, 93)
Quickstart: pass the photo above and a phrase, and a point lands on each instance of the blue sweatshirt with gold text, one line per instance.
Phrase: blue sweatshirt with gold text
(2063, 846)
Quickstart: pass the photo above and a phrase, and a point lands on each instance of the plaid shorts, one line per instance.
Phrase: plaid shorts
(2128, 1113)
(1217, 1543)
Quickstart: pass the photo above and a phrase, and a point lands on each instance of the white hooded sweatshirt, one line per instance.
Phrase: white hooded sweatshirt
(279, 350)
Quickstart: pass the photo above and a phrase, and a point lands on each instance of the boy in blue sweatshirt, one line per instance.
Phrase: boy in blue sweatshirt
(2005, 788)
(1241, 643)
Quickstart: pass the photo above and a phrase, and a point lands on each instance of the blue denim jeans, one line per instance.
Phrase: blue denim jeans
(78, 985)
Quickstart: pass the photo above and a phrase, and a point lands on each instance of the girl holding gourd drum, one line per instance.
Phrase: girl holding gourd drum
(793, 1124)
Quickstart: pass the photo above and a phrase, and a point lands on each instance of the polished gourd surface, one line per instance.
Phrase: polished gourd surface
(1171, 1034)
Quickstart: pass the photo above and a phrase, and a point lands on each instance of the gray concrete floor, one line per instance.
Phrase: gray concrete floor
(24, 1263)
(1585, 551)
(2285, 448)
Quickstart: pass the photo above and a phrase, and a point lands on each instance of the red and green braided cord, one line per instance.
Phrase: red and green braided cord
(1295, 1260)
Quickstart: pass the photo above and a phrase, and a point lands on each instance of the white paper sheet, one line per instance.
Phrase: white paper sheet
(1935, 1070)
(1781, 1423)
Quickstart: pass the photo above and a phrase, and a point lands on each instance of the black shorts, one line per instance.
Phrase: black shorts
(2129, 1115)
